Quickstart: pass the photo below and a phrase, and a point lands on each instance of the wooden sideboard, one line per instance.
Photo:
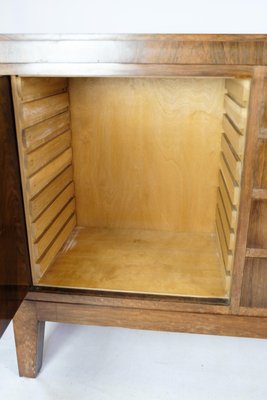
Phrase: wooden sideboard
(133, 184)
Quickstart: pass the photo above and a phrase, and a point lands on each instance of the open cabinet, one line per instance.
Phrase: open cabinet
(132, 184)
(142, 165)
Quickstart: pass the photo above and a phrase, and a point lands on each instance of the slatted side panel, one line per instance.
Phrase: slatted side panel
(230, 173)
(44, 141)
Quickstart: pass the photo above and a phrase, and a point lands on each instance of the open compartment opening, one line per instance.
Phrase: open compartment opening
(132, 184)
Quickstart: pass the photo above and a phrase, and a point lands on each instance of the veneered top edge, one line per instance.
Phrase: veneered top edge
(134, 37)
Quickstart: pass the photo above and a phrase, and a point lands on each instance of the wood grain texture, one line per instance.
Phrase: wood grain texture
(14, 258)
(125, 70)
(236, 113)
(235, 137)
(46, 153)
(153, 319)
(35, 88)
(232, 186)
(56, 245)
(36, 111)
(29, 338)
(46, 130)
(260, 169)
(253, 312)
(133, 36)
(140, 154)
(50, 213)
(139, 261)
(259, 194)
(129, 300)
(230, 210)
(253, 127)
(257, 231)
(42, 114)
(226, 253)
(43, 177)
(44, 199)
(263, 127)
(43, 243)
(254, 279)
(254, 287)
(228, 230)
(168, 49)
(238, 89)
(231, 158)
(255, 252)
(230, 174)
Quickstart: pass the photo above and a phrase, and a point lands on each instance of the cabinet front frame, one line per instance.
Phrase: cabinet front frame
(198, 64)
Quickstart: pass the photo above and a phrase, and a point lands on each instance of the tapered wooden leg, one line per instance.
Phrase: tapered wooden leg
(29, 337)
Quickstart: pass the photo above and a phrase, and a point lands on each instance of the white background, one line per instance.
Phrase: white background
(108, 363)
(135, 16)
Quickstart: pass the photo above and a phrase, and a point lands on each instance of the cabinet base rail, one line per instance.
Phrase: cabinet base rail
(29, 324)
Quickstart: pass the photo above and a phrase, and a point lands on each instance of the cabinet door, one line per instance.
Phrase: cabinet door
(15, 275)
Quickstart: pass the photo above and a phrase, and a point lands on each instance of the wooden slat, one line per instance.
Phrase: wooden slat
(39, 203)
(238, 89)
(228, 231)
(226, 254)
(232, 187)
(44, 154)
(53, 230)
(36, 88)
(233, 162)
(259, 194)
(257, 253)
(38, 134)
(39, 110)
(59, 241)
(236, 113)
(39, 226)
(234, 136)
(230, 210)
(38, 181)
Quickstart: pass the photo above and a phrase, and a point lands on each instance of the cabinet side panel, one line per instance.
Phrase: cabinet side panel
(236, 102)
(44, 141)
(14, 261)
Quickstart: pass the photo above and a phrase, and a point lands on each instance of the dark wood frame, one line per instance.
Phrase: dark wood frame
(151, 55)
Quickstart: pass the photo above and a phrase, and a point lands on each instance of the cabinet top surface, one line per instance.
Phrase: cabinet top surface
(134, 37)
(75, 54)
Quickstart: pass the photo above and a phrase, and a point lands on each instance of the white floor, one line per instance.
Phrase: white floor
(107, 363)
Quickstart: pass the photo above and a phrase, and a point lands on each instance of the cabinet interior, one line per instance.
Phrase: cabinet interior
(132, 184)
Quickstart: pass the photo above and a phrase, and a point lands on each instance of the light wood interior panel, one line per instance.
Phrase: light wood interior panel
(153, 213)
(186, 264)
(146, 152)
(230, 173)
(44, 142)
